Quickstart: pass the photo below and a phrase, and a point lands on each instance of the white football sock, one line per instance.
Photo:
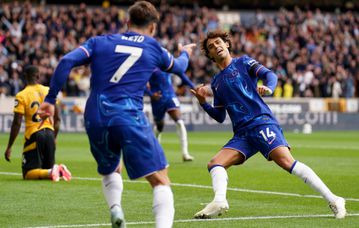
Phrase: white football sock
(219, 182)
(112, 187)
(163, 206)
(182, 134)
(310, 178)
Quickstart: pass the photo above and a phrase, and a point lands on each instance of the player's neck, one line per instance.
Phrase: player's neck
(223, 63)
(143, 31)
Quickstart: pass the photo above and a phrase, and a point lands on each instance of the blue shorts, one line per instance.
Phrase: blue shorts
(142, 154)
(263, 138)
(159, 108)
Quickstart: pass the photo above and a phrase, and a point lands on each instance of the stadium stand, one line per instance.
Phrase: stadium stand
(314, 53)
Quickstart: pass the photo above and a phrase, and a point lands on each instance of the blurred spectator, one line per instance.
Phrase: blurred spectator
(278, 92)
(336, 87)
(305, 48)
(288, 89)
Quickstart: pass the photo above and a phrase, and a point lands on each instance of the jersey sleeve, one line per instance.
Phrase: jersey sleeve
(88, 47)
(77, 57)
(217, 111)
(254, 68)
(19, 105)
(186, 80)
(166, 59)
(258, 71)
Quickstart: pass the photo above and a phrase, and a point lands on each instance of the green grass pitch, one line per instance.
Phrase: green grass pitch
(260, 193)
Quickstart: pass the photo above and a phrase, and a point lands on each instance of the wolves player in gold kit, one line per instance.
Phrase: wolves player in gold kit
(38, 160)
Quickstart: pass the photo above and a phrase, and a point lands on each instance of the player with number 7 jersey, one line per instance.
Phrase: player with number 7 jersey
(121, 65)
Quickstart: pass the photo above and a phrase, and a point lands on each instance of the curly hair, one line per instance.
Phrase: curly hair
(214, 34)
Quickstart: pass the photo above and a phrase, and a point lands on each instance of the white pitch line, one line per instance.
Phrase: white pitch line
(203, 187)
(201, 220)
(293, 145)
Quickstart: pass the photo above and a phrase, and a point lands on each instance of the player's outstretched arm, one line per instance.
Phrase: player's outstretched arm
(74, 58)
(15, 128)
(186, 80)
(187, 48)
(180, 64)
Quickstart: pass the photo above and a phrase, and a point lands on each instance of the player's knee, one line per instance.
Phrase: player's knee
(158, 179)
(285, 163)
(212, 163)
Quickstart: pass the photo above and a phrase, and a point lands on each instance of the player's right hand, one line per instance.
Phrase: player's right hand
(187, 48)
(7, 154)
(156, 96)
(201, 93)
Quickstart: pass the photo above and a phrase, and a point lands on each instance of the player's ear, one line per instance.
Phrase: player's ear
(128, 23)
(227, 44)
(152, 29)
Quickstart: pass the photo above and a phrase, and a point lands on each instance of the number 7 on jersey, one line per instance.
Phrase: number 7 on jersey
(135, 54)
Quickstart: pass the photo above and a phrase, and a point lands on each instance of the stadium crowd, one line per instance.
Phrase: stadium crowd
(314, 54)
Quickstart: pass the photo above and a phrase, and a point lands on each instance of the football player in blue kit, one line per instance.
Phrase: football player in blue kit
(164, 99)
(115, 123)
(236, 92)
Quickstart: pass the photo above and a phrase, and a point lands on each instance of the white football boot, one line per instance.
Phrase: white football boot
(338, 208)
(187, 157)
(117, 217)
(212, 209)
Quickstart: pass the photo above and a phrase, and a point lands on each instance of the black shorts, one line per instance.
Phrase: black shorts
(43, 155)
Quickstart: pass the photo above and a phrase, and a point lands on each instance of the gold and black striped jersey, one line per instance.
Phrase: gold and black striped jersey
(27, 103)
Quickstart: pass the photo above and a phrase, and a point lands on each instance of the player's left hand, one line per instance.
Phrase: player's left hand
(46, 110)
(7, 154)
(264, 90)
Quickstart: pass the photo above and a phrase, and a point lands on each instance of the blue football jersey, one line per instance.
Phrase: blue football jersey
(162, 81)
(235, 89)
(121, 65)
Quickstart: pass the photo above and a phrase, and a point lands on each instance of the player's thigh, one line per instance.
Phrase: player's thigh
(31, 159)
(158, 178)
(282, 157)
(175, 114)
(141, 151)
(105, 147)
(267, 138)
(159, 109)
(226, 158)
(46, 147)
(236, 151)
(142, 154)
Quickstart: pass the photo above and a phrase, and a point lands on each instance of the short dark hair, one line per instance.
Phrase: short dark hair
(143, 13)
(31, 73)
(214, 34)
